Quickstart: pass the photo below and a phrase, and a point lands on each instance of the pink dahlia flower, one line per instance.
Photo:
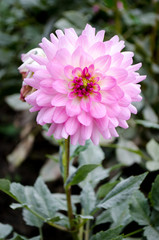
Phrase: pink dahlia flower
(84, 86)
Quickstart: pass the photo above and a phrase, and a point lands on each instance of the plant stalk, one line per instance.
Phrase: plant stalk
(133, 233)
(66, 162)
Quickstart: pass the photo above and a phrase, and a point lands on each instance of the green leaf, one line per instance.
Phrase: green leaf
(152, 148)
(96, 176)
(111, 234)
(31, 219)
(104, 217)
(79, 149)
(105, 189)
(139, 209)
(18, 237)
(147, 124)
(80, 174)
(120, 214)
(155, 193)
(5, 230)
(5, 186)
(151, 233)
(92, 155)
(88, 199)
(46, 195)
(127, 157)
(122, 191)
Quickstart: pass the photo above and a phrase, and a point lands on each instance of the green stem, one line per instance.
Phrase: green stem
(41, 233)
(66, 162)
(87, 230)
(81, 227)
(117, 18)
(133, 233)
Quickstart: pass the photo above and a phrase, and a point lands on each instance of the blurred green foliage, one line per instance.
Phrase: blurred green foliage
(23, 23)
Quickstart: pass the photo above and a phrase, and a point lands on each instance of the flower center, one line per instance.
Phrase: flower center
(84, 82)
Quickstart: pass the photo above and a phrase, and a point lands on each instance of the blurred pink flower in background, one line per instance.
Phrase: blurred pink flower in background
(84, 86)
(96, 8)
(120, 5)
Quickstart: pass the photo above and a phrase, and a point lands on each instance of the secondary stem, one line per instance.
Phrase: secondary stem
(133, 233)
(41, 234)
(87, 230)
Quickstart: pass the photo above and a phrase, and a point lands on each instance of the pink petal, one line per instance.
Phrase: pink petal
(31, 99)
(34, 109)
(85, 60)
(124, 114)
(85, 104)
(73, 107)
(44, 100)
(95, 136)
(59, 33)
(56, 71)
(54, 39)
(113, 132)
(113, 122)
(107, 83)
(59, 115)
(96, 96)
(39, 59)
(77, 72)
(100, 36)
(63, 57)
(97, 110)
(102, 123)
(119, 74)
(90, 32)
(123, 123)
(82, 42)
(113, 110)
(48, 115)
(84, 118)
(40, 116)
(74, 138)
(117, 47)
(106, 134)
(71, 35)
(116, 59)
(103, 63)
(49, 48)
(116, 92)
(127, 60)
(58, 131)
(125, 101)
(60, 86)
(97, 50)
(132, 109)
(139, 78)
(86, 131)
(31, 82)
(65, 43)
(71, 125)
(59, 100)
(51, 129)
(132, 89)
(41, 74)
(76, 57)
(68, 71)
(135, 67)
